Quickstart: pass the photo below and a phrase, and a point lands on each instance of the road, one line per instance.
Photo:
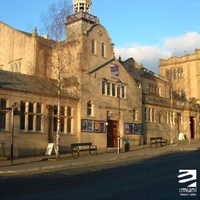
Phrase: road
(151, 179)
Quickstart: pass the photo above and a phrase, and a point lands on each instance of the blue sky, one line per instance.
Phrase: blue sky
(146, 30)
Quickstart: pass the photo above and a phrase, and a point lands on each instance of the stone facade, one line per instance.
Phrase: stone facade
(35, 124)
(109, 100)
(184, 73)
(183, 76)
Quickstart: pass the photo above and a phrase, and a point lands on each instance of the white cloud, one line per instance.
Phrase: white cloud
(150, 55)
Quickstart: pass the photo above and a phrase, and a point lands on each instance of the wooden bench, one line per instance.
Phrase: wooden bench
(87, 146)
(158, 140)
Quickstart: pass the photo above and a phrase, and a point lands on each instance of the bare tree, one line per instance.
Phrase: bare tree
(61, 56)
(54, 20)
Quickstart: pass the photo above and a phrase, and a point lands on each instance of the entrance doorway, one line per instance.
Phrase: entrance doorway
(192, 127)
(112, 132)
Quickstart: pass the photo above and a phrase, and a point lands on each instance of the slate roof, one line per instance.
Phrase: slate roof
(29, 84)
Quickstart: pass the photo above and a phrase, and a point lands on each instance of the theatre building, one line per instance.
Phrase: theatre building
(101, 102)
(104, 100)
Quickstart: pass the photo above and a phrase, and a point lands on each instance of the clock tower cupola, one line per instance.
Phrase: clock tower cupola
(82, 5)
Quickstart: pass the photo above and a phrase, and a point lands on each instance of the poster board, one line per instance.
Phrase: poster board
(50, 148)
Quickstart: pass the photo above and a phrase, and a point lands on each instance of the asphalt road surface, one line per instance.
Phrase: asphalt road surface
(152, 179)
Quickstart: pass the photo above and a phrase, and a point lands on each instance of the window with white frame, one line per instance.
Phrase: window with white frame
(31, 118)
(66, 119)
(152, 115)
(55, 118)
(111, 89)
(89, 108)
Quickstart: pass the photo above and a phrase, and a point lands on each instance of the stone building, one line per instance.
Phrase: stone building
(105, 101)
(35, 123)
(183, 74)
(108, 94)
(23, 52)
(102, 96)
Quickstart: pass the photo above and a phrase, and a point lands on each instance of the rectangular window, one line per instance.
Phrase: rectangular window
(113, 89)
(123, 91)
(30, 107)
(69, 120)
(30, 116)
(62, 124)
(38, 117)
(89, 109)
(103, 87)
(2, 120)
(30, 122)
(108, 88)
(153, 115)
(149, 115)
(3, 114)
(22, 117)
(55, 119)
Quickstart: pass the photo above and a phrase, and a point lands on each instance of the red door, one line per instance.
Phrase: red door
(112, 132)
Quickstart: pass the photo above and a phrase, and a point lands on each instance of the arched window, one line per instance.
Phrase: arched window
(93, 47)
(103, 50)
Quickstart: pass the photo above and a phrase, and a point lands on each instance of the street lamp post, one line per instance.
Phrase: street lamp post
(171, 122)
(12, 134)
(118, 94)
(13, 109)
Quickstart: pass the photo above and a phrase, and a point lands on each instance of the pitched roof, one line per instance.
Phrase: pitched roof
(28, 83)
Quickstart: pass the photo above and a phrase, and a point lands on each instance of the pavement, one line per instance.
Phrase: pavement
(105, 156)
